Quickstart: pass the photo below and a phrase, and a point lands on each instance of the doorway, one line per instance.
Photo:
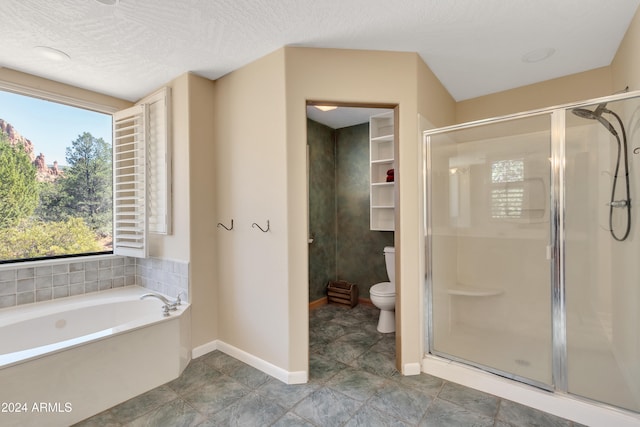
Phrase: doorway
(343, 244)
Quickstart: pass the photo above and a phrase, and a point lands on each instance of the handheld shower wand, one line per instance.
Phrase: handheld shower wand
(622, 152)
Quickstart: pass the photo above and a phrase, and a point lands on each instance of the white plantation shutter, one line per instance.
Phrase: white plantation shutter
(129, 176)
(159, 162)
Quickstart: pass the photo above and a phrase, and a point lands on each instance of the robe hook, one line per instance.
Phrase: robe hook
(225, 227)
(261, 229)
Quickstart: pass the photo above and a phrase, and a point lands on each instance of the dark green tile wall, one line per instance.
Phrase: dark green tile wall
(322, 208)
(360, 258)
(356, 253)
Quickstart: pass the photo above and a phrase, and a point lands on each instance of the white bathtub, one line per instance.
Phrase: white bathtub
(62, 361)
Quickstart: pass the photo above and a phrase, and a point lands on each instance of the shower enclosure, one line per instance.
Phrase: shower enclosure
(533, 247)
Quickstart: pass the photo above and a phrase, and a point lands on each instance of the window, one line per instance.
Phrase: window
(55, 179)
(507, 192)
(74, 181)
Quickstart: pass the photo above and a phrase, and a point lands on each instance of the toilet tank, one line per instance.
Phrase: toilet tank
(390, 262)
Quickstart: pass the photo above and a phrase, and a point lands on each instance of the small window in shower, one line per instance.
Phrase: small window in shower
(507, 192)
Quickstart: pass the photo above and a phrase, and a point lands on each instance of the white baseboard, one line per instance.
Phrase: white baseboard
(204, 349)
(411, 369)
(287, 377)
(559, 404)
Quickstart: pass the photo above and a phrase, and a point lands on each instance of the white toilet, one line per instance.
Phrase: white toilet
(383, 294)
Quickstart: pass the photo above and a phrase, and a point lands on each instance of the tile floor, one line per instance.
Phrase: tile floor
(353, 382)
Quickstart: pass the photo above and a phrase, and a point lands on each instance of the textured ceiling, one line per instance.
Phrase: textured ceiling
(475, 47)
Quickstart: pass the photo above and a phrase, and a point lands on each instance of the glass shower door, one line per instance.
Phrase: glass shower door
(489, 230)
(602, 253)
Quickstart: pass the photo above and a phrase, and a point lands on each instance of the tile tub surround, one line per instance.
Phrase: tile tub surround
(30, 283)
(163, 275)
(353, 382)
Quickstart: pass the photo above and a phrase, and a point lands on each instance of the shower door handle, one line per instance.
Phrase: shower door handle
(549, 252)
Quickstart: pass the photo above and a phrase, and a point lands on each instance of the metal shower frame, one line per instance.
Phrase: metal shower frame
(557, 233)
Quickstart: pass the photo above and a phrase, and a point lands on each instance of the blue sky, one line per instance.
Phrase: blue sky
(51, 127)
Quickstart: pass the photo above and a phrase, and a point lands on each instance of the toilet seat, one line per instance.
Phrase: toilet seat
(383, 289)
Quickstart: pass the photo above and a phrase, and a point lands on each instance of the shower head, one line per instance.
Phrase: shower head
(591, 115)
(596, 115)
(585, 114)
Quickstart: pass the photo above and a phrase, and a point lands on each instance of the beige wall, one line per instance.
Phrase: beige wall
(201, 200)
(434, 102)
(361, 77)
(176, 245)
(563, 90)
(250, 185)
(626, 64)
(192, 236)
(261, 174)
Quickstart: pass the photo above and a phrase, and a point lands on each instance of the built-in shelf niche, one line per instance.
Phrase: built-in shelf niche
(381, 160)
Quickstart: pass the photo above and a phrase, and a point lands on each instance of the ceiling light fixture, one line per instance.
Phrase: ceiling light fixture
(52, 54)
(538, 55)
(108, 2)
(325, 107)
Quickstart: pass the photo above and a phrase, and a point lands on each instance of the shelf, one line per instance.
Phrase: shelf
(383, 138)
(381, 149)
(382, 219)
(381, 159)
(378, 171)
(381, 126)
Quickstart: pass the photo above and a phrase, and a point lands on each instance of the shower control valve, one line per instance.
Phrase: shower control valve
(619, 203)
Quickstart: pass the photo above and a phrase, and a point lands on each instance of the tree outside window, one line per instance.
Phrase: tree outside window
(50, 210)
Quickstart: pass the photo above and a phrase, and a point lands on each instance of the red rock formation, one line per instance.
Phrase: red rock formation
(40, 164)
(54, 170)
(43, 172)
(16, 139)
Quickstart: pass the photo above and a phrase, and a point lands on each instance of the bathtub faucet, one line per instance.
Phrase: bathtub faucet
(168, 305)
